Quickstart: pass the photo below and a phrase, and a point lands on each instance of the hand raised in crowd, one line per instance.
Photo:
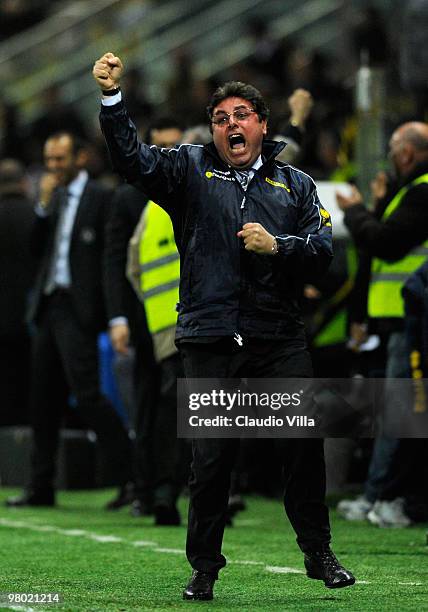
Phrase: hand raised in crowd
(107, 71)
(119, 336)
(379, 185)
(257, 239)
(48, 182)
(348, 201)
(300, 103)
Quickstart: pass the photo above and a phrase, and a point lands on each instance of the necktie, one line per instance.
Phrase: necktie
(50, 284)
(243, 177)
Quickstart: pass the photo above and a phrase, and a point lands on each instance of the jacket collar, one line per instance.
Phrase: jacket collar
(419, 170)
(270, 149)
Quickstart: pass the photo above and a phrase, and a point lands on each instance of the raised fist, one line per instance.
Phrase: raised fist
(107, 71)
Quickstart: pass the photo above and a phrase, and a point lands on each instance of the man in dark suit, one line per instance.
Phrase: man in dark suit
(68, 311)
(16, 274)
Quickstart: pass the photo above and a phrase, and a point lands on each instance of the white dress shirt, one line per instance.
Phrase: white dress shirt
(59, 273)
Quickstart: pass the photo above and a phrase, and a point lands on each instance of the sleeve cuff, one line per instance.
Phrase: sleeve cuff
(118, 321)
(111, 100)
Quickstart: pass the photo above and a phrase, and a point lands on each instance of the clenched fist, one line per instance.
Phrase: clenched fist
(257, 239)
(48, 183)
(107, 71)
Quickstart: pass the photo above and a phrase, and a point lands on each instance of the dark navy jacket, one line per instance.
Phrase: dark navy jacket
(224, 288)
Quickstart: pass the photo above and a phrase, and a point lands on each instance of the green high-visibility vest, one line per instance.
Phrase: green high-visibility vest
(159, 269)
(387, 279)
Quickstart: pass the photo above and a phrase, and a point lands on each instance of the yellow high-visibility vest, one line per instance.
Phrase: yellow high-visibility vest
(159, 269)
(387, 279)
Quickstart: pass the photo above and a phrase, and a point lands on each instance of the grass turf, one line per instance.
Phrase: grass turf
(41, 551)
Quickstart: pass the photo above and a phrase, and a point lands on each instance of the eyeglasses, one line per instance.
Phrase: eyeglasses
(241, 114)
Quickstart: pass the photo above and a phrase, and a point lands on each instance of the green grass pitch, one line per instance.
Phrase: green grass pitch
(101, 561)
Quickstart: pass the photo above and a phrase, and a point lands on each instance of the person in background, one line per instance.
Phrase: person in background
(395, 236)
(128, 327)
(68, 312)
(16, 274)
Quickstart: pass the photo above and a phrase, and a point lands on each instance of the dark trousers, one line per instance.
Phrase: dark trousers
(213, 459)
(163, 461)
(64, 362)
(15, 349)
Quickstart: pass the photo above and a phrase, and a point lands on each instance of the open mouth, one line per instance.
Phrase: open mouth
(236, 141)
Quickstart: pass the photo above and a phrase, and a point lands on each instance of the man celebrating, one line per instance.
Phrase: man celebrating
(249, 231)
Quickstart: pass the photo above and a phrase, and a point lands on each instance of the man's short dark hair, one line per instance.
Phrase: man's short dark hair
(236, 89)
(77, 143)
(162, 123)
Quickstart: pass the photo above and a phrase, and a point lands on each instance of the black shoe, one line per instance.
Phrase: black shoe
(323, 565)
(141, 508)
(34, 497)
(235, 504)
(200, 586)
(124, 497)
(166, 515)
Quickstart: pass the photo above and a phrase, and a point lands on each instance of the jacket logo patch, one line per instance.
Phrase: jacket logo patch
(87, 235)
(325, 217)
(276, 184)
(219, 174)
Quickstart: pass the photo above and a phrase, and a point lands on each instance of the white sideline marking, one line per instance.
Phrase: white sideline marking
(246, 562)
(44, 528)
(174, 551)
(153, 546)
(74, 532)
(104, 538)
(8, 523)
(67, 532)
(283, 570)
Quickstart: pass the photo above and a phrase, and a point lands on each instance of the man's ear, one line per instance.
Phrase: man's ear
(264, 125)
(82, 158)
(407, 153)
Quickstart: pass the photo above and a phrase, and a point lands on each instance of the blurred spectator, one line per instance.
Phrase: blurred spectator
(133, 86)
(300, 105)
(396, 237)
(332, 162)
(187, 95)
(11, 143)
(16, 274)
(68, 312)
(56, 116)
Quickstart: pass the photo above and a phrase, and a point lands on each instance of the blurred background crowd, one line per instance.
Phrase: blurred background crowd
(364, 65)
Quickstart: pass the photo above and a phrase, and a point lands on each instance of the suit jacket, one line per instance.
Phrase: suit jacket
(17, 264)
(127, 206)
(85, 256)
